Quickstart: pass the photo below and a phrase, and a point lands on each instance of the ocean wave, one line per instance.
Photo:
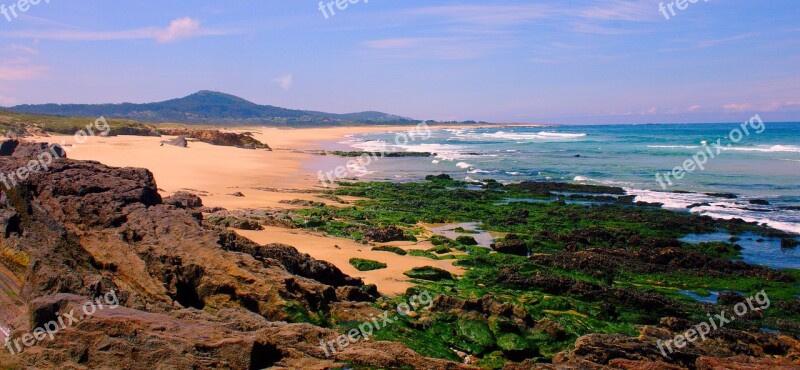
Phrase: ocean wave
(371, 146)
(463, 165)
(444, 152)
(716, 208)
(478, 170)
(540, 136)
(543, 136)
(768, 149)
(675, 146)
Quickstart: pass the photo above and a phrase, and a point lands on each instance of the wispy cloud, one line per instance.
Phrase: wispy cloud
(17, 65)
(737, 107)
(285, 82)
(178, 29)
(469, 31)
(22, 49)
(599, 29)
(496, 14)
(708, 43)
(620, 10)
(443, 48)
(694, 108)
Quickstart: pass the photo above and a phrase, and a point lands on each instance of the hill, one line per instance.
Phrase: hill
(210, 107)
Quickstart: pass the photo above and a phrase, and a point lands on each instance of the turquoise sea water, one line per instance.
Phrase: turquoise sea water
(763, 166)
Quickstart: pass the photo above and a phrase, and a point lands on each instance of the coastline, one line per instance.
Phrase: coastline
(267, 179)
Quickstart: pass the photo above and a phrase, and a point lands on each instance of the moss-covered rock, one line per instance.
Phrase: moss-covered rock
(366, 265)
(428, 273)
(395, 250)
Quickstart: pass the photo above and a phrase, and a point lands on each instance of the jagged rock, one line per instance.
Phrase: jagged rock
(656, 260)
(179, 141)
(561, 285)
(215, 137)
(190, 297)
(487, 306)
(183, 199)
(789, 243)
(385, 234)
(746, 363)
(729, 298)
(7, 147)
(552, 328)
(512, 244)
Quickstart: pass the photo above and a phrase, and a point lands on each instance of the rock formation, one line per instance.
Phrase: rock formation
(189, 296)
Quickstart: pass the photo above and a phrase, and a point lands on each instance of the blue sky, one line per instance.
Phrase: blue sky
(581, 61)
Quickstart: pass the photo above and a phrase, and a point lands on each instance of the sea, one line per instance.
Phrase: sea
(758, 165)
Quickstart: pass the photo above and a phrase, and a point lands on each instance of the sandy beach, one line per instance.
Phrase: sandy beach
(265, 178)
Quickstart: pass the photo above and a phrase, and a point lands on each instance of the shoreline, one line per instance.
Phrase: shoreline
(267, 179)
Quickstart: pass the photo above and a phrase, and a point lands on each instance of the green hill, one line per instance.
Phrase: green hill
(209, 107)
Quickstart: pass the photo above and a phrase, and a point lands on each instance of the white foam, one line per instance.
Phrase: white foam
(717, 208)
(768, 149)
(372, 146)
(443, 151)
(463, 165)
(675, 146)
(541, 136)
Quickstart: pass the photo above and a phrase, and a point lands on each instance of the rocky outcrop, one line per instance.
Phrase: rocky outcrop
(183, 199)
(189, 296)
(656, 260)
(385, 234)
(723, 349)
(215, 137)
(179, 141)
(654, 304)
(512, 244)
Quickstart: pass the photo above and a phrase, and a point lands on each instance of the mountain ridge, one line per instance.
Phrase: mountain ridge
(206, 106)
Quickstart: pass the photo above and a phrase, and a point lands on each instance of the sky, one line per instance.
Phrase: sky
(570, 61)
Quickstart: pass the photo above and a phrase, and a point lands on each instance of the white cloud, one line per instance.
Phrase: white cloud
(734, 107)
(694, 108)
(285, 82)
(178, 29)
